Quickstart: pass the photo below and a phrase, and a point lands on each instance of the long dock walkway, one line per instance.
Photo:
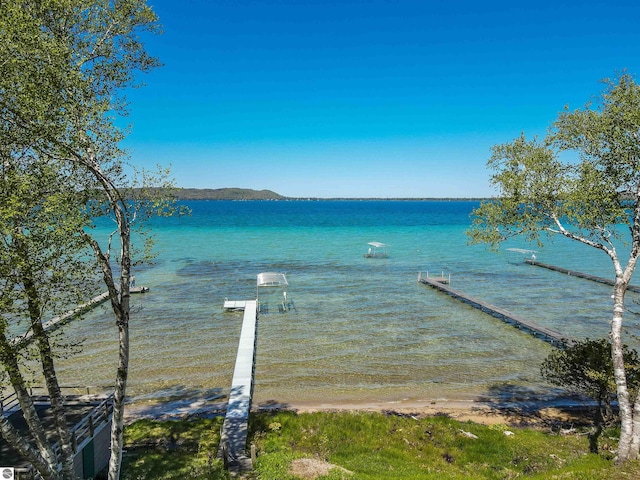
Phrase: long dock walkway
(233, 438)
(548, 335)
(573, 273)
(56, 322)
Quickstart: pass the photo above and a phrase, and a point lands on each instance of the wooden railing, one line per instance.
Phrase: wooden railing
(81, 433)
(9, 404)
(85, 429)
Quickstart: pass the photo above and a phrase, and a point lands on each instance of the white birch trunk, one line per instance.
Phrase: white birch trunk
(51, 380)
(57, 404)
(29, 413)
(634, 450)
(117, 426)
(626, 411)
(120, 303)
(120, 306)
(17, 441)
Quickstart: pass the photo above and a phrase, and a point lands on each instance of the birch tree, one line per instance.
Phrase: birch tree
(63, 68)
(591, 196)
(41, 273)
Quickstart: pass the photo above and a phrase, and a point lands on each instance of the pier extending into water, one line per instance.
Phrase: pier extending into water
(548, 335)
(233, 438)
(573, 273)
(56, 322)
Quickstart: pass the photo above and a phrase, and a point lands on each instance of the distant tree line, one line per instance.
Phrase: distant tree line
(224, 194)
(249, 194)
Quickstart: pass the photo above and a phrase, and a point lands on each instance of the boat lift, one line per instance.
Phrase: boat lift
(377, 250)
(272, 280)
(523, 254)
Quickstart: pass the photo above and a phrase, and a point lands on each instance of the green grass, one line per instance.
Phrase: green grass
(370, 446)
(172, 450)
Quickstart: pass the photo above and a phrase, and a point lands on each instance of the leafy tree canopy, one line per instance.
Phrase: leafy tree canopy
(583, 182)
(587, 195)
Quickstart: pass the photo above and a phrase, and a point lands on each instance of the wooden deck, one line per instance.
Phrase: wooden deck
(233, 438)
(442, 278)
(89, 419)
(548, 335)
(573, 273)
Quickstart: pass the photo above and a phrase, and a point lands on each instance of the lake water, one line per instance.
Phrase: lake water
(361, 329)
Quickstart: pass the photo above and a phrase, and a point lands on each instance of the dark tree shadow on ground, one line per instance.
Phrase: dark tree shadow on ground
(527, 406)
(176, 402)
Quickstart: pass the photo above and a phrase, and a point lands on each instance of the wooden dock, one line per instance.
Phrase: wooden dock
(573, 273)
(22, 340)
(442, 278)
(548, 335)
(233, 438)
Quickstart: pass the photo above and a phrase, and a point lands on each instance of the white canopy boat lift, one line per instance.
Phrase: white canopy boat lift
(523, 253)
(267, 284)
(377, 250)
(272, 281)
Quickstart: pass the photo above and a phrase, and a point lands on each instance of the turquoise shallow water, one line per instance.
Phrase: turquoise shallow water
(362, 329)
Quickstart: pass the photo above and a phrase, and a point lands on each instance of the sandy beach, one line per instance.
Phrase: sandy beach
(525, 415)
(464, 410)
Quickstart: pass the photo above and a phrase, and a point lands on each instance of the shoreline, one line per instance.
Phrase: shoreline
(477, 411)
(525, 414)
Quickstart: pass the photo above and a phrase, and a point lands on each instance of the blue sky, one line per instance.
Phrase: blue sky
(325, 98)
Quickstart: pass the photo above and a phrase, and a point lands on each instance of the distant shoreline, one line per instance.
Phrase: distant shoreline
(337, 199)
(246, 194)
